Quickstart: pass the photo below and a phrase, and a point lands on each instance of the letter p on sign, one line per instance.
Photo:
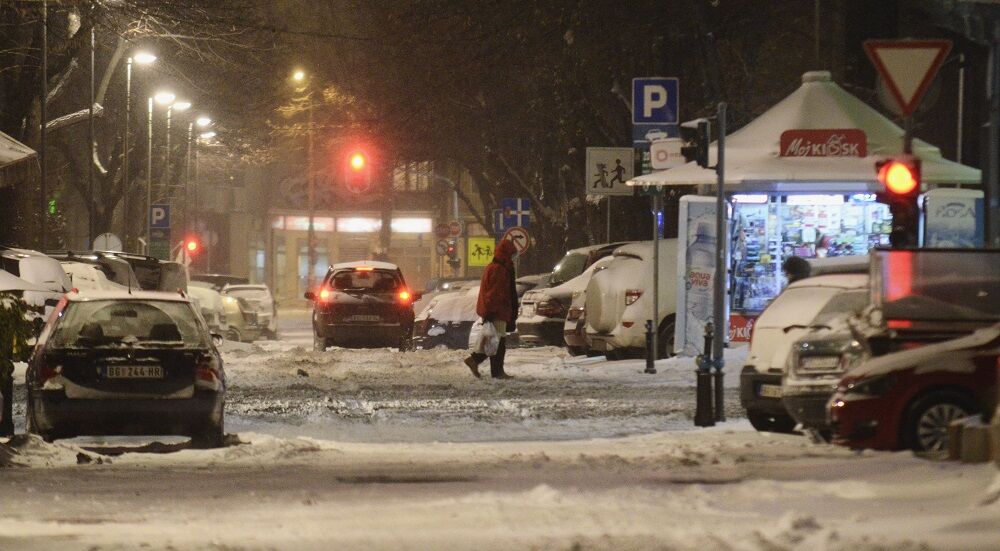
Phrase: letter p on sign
(654, 100)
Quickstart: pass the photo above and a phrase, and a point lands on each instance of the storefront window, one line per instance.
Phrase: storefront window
(322, 263)
(769, 228)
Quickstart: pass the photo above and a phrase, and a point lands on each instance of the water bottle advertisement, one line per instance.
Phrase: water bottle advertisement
(953, 218)
(696, 268)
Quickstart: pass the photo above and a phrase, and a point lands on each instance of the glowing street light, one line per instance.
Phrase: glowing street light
(143, 58)
(207, 135)
(203, 121)
(299, 75)
(181, 105)
(164, 98)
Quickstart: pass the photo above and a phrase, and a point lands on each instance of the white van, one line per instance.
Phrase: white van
(620, 300)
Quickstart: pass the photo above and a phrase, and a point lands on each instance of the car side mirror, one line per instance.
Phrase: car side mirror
(310, 295)
(217, 339)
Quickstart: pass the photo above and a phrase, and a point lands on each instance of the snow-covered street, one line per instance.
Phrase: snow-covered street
(372, 449)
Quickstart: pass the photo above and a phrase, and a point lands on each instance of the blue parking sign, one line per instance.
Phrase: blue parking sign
(159, 216)
(655, 100)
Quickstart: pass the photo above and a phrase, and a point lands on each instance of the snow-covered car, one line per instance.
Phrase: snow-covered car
(526, 283)
(802, 307)
(543, 312)
(575, 326)
(241, 320)
(620, 300)
(89, 277)
(126, 363)
(116, 269)
(542, 317)
(218, 281)
(907, 399)
(447, 320)
(154, 274)
(363, 304)
(212, 306)
(815, 366)
(258, 296)
(440, 285)
(42, 270)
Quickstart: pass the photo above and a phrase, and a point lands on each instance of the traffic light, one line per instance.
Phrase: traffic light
(191, 246)
(452, 253)
(696, 136)
(358, 172)
(900, 179)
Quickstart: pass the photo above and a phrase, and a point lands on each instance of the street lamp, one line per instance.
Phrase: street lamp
(300, 77)
(142, 58)
(162, 98)
(203, 121)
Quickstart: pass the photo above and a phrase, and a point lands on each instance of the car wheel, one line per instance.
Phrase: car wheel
(665, 339)
(925, 427)
(319, 343)
(33, 424)
(212, 435)
(234, 335)
(766, 422)
(614, 355)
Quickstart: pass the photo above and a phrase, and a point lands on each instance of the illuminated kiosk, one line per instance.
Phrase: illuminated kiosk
(801, 181)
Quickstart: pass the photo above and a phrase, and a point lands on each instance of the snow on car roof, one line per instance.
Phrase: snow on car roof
(360, 263)
(841, 281)
(83, 296)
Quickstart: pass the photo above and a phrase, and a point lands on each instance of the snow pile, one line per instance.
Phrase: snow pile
(29, 450)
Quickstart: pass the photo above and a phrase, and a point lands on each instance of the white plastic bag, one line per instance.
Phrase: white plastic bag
(484, 337)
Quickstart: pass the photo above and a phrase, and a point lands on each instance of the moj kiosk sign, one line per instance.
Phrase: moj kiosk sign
(834, 142)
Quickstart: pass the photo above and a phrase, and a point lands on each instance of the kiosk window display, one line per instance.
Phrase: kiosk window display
(770, 227)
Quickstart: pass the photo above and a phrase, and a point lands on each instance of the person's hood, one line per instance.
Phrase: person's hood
(505, 251)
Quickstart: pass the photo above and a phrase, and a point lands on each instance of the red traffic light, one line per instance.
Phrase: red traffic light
(358, 161)
(192, 245)
(900, 176)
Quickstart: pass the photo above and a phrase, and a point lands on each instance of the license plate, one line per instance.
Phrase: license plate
(769, 391)
(528, 310)
(365, 317)
(819, 362)
(134, 372)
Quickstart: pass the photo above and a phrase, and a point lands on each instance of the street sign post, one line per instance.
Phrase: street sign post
(608, 168)
(666, 153)
(442, 231)
(515, 212)
(159, 216)
(159, 231)
(480, 251)
(655, 109)
(908, 67)
(441, 247)
(455, 228)
(520, 237)
(107, 242)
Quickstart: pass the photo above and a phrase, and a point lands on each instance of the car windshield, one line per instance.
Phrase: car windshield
(796, 306)
(848, 302)
(252, 293)
(365, 280)
(114, 323)
(937, 285)
(569, 267)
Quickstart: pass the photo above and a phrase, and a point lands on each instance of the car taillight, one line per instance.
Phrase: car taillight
(325, 295)
(404, 296)
(46, 372)
(632, 295)
(550, 309)
(207, 373)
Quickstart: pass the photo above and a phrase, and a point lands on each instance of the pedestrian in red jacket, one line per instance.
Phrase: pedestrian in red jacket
(497, 304)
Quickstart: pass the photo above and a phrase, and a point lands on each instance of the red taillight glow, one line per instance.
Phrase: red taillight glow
(364, 268)
(207, 371)
(404, 296)
(632, 295)
(46, 372)
(899, 324)
(325, 295)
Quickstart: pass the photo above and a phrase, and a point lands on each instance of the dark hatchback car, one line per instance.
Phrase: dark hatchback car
(119, 363)
(363, 304)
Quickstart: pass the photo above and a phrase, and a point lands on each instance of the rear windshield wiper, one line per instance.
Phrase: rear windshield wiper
(797, 326)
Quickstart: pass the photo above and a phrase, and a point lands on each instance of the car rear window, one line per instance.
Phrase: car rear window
(118, 323)
(365, 280)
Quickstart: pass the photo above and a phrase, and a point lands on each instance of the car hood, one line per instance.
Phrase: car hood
(920, 357)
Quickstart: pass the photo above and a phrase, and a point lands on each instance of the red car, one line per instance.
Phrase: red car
(907, 399)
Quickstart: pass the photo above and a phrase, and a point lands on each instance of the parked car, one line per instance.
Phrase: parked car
(114, 268)
(618, 301)
(241, 320)
(529, 282)
(447, 319)
(440, 285)
(89, 277)
(919, 300)
(218, 281)
(803, 306)
(121, 363)
(815, 366)
(364, 303)
(907, 399)
(543, 313)
(154, 274)
(211, 304)
(42, 270)
(258, 296)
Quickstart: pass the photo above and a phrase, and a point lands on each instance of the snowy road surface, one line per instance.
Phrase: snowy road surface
(373, 449)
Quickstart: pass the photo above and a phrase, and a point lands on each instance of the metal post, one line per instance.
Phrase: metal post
(91, 146)
(43, 197)
(149, 170)
(607, 233)
(311, 185)
(721, 241)
(650, 348)
(703, 415)
(657, 206)
(187, 182)
(961, 108)
(165, 185)
(126, 185)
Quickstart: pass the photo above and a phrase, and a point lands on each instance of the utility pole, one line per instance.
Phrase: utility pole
(91, 146)
(311, 185)
(721, 240)
(43, 197)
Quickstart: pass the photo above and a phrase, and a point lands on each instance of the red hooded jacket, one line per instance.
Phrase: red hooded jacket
(497, 293)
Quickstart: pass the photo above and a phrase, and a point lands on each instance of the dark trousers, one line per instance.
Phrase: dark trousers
(496, 360)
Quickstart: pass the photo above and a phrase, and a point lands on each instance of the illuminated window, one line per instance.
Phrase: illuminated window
(301, 223)
(412, 225)
(358, 225)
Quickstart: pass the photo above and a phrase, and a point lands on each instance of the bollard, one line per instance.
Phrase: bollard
(650, 353)
(704, 416)
(720, 412)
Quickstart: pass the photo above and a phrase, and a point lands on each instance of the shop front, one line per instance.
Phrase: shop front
(799, 181)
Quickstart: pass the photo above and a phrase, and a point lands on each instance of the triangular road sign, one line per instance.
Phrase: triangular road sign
(908, 67)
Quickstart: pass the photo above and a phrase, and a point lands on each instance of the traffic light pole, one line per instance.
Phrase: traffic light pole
(311, 192)
(721, 239)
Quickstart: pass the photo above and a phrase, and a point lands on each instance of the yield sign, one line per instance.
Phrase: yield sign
(908, 67)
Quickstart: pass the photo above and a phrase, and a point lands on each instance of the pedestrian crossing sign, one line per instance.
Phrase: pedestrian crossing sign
(480, 251)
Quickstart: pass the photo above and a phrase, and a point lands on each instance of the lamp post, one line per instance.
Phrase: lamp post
(202, 122)
(142, 58)
(299, 76)
(162, 98)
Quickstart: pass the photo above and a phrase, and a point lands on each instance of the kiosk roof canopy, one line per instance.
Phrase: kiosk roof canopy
(753, 153)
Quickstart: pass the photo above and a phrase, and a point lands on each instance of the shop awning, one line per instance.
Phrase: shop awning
(754, 160)
(15, 159)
